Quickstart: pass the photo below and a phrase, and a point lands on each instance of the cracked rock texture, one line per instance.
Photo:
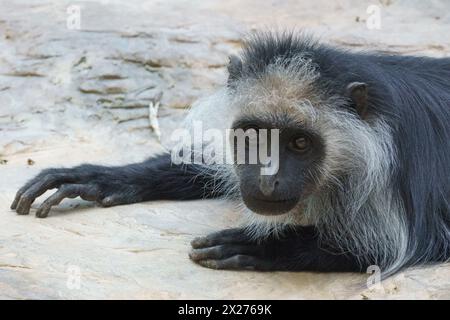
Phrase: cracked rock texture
(69, 96)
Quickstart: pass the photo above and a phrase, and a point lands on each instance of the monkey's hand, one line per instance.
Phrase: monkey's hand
(297, 250)
(231, 249)
(93, 183)
(154, 179)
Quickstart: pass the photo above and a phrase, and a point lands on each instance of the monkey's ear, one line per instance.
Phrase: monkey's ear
(234, 68)
(357, 92)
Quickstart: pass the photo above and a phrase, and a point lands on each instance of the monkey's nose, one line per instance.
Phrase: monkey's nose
(268, 184)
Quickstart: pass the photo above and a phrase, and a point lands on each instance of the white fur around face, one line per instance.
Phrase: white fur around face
(370, 222)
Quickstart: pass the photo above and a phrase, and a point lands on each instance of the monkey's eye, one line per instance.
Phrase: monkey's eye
(300, 144)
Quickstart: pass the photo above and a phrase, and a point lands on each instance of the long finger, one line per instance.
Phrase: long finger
(19, 194)
(224, 251)
(227, 236)
(29, 183)
(40, 186)
(238, 262)
(86, 192)
(24, 188)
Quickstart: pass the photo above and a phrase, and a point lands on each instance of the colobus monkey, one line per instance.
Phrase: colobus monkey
(363, 162)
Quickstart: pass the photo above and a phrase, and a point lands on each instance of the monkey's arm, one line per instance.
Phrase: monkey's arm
(298, 250)
(154, 179)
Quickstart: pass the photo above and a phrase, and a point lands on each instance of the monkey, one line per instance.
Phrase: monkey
(363, 174)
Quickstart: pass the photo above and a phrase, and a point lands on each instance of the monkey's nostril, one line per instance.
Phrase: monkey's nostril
(268, 184)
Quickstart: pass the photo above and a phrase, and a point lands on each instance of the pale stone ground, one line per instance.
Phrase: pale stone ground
(72, 96)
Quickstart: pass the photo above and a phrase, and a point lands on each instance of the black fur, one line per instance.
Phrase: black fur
(412, 93)
(154, 179)
(298, 249)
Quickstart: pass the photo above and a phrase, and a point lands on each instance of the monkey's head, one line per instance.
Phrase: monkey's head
(322, 137)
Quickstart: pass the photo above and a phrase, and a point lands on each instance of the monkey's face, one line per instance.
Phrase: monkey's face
(318, 142)
(287, 155)
(282, 100)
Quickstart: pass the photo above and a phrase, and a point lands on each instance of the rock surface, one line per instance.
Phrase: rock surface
(81, 95)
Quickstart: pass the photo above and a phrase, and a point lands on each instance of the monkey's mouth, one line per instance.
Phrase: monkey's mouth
(270, 206)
